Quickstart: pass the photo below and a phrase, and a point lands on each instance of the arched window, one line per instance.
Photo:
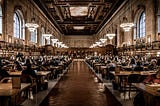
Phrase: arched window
(142, 25)
(34, 36)
(0, 20)
(19, 28)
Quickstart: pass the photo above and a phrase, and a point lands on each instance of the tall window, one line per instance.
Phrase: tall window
(0, 19)
(19, 25)
(142, 25)
(34, 36)
(140, 29)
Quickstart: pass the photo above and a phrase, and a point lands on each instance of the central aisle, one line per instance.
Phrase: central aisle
(78, 88)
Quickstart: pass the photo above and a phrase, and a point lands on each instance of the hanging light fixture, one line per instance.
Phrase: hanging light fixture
(47, 36)
(54, 40)
(110, 35)
(32, 26)
(127, 25)
(98, 43)
(103, 40)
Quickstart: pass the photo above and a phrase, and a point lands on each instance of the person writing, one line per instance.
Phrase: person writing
(154, 78)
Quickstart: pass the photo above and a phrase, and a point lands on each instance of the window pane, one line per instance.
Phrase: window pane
(158, 24)
(34, 36)
(16, 26)
(0, 19)
(142, 30)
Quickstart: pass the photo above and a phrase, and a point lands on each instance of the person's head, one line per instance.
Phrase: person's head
(28, 64)
(28, 61)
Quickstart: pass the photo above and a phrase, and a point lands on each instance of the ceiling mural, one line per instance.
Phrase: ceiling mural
(78, 17)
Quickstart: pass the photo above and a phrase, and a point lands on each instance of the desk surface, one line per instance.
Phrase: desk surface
(7, 90)
(39, 73)
(150, 89)
(126, 73)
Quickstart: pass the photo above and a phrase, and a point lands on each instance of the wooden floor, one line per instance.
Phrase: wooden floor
(80, 87)
(80, 81)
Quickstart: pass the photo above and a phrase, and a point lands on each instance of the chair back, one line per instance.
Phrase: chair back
(134, 78)
(25, 78)
(138, 69)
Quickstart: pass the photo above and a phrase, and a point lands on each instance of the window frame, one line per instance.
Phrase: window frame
(142, 25)
(21, 25)
(33, 36)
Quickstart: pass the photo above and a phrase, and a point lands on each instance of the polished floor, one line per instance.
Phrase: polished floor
(79, 87)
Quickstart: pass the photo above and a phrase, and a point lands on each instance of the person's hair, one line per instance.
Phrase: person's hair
(28, 61)
(28, 64)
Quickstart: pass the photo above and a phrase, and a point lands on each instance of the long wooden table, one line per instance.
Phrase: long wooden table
(9, 94)
(127, 73)
(151, 93)
(122, 75)
(39, 73)
(130, 68)
(148, 88)
(41, 76)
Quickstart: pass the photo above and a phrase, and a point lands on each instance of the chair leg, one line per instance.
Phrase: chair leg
(124, 88)
(129, 92)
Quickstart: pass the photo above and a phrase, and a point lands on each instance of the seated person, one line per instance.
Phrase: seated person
(111, 66)
(138, 67)
(152, 65)
(154, 78)
(3, 73)
(28, 72)
(18, 66)
(158, 61)
(132, 62)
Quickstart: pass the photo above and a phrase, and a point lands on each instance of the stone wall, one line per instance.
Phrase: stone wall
(78, 41)
(29, 10)
(131, 10)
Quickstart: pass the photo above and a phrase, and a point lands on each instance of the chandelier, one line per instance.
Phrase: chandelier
(54, 40)
(47, 36)
(110, 35)
(103, 40)
(98, 43)
(32, 26)
(93, 45)
(59, 43)
(126, 26)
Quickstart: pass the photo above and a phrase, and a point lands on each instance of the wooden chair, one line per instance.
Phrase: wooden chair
(133, 78)
(6, 80)
(33, 86)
